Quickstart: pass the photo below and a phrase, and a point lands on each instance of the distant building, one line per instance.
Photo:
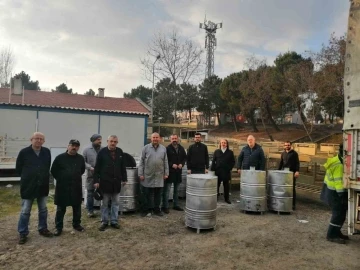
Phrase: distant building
(62, 117)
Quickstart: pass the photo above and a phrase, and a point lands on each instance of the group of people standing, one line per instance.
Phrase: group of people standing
(160, 167)
(105, 165)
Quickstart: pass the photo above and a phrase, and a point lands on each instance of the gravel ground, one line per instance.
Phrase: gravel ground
(240, 241)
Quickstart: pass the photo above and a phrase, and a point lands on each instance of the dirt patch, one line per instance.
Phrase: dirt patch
(241, 241)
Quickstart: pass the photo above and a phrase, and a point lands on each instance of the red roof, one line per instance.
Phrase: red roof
(72, 101)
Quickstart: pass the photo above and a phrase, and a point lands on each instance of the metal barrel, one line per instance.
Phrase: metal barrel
(201, 201)
(280, 190)
(129, 192)
(182, 186)
(171, 192)
(84, 191)
(253, 191)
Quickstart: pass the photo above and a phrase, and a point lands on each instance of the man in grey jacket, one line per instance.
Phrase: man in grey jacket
(90, 154)
(153, 171)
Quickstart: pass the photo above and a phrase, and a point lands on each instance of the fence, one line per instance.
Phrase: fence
(10, 147)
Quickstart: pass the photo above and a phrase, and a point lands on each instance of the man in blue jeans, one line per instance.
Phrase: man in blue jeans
(33, 166)
(109, 175)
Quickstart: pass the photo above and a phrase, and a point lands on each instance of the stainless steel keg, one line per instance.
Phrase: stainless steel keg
(280, 190)
(253, 191)
(201, 201)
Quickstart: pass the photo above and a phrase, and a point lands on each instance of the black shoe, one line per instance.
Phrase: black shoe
(337, 240)
(228, 201)
(166, 210)
(22, 239)
(57, 232)
(103, 227)
(115, 226)
(159, 213)
(178, 208)
(46, 233)
(79, 228)
(345, 237)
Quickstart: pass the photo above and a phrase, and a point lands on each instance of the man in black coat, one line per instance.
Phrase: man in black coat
(33, 166)
(290, 160)
(252, 155)
(222, 163)
(176, 158)
(109, 176)
(197, 157)
(68, 169)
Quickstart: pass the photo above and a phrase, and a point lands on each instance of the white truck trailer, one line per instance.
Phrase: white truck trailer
(351, 128)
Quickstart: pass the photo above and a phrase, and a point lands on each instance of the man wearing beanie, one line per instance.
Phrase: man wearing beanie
(90, 154)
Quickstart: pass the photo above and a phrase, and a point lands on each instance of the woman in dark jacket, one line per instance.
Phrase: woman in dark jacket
(222, 163)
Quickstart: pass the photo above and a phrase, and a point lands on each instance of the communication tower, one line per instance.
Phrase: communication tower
(210, 44)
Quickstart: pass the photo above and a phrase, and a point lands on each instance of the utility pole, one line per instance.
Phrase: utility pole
(210, 44)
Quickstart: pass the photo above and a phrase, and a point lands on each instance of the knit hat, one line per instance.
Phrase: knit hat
(95, 137)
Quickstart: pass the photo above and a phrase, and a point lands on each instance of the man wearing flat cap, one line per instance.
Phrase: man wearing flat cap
(67, 169)
(90, 154)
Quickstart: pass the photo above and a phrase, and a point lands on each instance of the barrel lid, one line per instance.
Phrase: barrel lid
(202, 176)
(280, 171)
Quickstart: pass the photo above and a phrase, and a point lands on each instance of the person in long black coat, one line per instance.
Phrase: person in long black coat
(109, 175)
(222, 163)
(176, 158)
(68, 169)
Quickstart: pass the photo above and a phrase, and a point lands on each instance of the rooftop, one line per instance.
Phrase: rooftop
(34, 98)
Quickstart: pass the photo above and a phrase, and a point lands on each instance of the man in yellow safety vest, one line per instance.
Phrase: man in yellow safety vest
(335, 195)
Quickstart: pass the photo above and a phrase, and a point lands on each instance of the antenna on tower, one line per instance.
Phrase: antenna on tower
(210, 44)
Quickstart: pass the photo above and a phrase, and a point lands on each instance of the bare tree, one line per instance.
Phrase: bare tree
(329, 75)
(7, 62)
(261, 82)
(179, 60)
(298, 84)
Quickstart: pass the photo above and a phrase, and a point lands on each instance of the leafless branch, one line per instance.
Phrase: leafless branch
(180, 58)
(7, 62)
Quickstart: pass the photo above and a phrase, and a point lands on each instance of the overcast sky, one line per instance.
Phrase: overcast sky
(92, 43)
